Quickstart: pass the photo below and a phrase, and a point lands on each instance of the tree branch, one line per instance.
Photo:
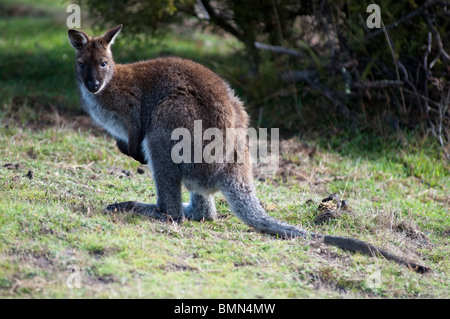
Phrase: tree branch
(277, 49)
(220, 21)
(388, 39)
(381, 84)
(438, 38)
(407, 17)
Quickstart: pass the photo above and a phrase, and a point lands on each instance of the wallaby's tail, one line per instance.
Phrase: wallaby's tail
(245, 205)
(360, 246)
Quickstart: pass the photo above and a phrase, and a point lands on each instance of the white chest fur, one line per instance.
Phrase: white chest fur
(107, 119)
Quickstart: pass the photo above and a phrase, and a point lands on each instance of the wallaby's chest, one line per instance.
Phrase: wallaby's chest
(106, 118)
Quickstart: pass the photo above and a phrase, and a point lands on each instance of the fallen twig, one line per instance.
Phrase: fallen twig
(277, 49)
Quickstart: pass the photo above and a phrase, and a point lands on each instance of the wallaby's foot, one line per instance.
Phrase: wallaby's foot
(146, 210)
(200, 208)
(120, 207)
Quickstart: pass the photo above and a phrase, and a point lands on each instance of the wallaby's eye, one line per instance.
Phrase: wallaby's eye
(81, 64)
(103, 64)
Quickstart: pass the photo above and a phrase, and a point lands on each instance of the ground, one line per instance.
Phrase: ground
(57, 178)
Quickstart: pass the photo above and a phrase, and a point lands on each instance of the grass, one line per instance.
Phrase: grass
(57, 173)
(54, 221)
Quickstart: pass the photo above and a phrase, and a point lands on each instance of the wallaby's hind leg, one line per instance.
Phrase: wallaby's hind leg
(200, 207)
(147, 210)
(168, 207)
(167, 177)
(169, 197)
(168, 185)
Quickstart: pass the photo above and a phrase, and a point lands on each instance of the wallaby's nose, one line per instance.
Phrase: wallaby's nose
(93, 85)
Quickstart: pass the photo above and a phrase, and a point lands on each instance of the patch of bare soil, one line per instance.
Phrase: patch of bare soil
(292, 155)
(18, 167)
(119, 172)
(64, 119)
(326, 278)
(44, 113)
(177, 266)
(13, 166)
(445, 200)
(59, 272)
(446, 232)
(328, 254)
(35, 283)
(413, 233)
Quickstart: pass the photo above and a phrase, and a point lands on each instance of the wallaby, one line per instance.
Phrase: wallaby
(141, 104)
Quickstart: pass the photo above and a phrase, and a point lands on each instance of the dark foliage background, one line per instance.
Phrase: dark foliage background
(315, 65)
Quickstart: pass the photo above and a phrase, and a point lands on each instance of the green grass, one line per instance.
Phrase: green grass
(53, 223)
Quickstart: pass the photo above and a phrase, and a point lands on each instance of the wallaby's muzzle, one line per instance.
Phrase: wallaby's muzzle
(92, 85)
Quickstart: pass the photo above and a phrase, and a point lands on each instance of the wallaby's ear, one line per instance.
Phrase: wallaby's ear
(111, 35)
(78, 39)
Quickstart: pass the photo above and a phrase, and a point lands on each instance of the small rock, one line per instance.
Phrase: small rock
(330, 208)
(344, 204)
(30, 174)
(333, 196)
(327, 216)
(126, 172)
(31, 153)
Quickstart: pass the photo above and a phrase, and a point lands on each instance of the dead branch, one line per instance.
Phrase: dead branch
(407, 17)
(277, 49)
(219, 20)
(413, 87)
(299, 76)
(381, 84)
(391, 47)
(440, 127)
(437, 36)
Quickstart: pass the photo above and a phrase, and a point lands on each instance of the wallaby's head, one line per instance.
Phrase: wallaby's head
(95, 64)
